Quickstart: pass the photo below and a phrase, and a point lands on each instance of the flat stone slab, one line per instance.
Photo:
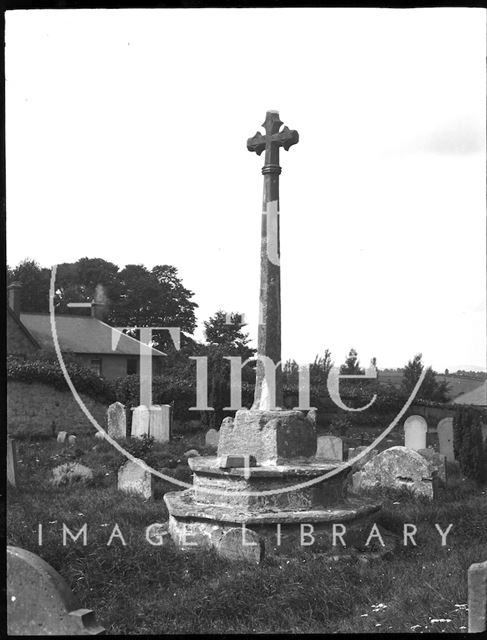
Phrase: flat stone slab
(40, 602)
(182, 505)
(270, 436)
(210, 466)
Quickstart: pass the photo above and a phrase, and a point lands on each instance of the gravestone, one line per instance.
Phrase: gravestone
(61, 437)
(140, 421)
(11, 461)
(211, 438)
(134, 479)
(99, 435)
(445, 438)
(40, 602)
(396, 468)
(71, 440)
(415, 429)
(117, 420)
(160, 422)
(477, 597)
(436, 462)
(329, 448)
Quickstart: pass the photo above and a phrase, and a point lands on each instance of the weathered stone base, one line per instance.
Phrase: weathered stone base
(271, 436)
(285, 532)
(195, 525)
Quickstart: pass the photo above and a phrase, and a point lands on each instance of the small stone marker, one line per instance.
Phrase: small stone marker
(160, 422)
(71, 440)
(61, 437)
(117, 420)
(11, 461)
(329, 448)
(477, 597)
(436, 462)
(445, 438)
(132, 478)
(140, 421)
(241, 544)
(99, 435)
(211, 438)
(415, 429)
(237, 461)
(40, 602)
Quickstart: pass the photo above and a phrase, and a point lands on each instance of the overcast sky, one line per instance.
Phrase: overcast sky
(126, 140)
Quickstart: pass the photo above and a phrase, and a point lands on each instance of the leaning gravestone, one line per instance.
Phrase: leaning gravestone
(11, 461)
(477, 597)
(117, 420)
(211, 438)
(140, 421)
(415, 429)
(396, 468)
(160, 422)
(134, 479)
(445, 438)
(329, 448)
(40, 602)
(61, 436)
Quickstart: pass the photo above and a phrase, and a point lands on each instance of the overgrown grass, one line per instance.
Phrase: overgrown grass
(140, 588)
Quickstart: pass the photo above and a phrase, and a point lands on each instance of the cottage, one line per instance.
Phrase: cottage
(88, 338)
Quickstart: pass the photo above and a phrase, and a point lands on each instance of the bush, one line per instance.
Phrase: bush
(468, 445)
(340, 425)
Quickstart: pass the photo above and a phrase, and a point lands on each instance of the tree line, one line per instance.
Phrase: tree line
(137, 296)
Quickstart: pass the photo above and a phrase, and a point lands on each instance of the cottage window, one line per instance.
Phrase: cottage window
(95, 365)
(131, 366)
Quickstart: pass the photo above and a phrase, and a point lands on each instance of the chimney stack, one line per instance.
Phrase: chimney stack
(100, 305)
(14, 297)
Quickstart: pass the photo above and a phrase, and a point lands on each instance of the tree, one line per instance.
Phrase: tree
(35, 281)
(224, 336)
(77, 281)
(431, 388)
(352, 364)
(225, 330)
(320, 368)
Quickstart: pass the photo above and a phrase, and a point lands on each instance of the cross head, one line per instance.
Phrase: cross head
(273, 139)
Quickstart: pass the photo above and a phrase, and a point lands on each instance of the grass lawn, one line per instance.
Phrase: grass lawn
(141, 588)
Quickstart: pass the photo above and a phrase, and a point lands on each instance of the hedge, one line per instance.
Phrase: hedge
(468, 445)
(49, 372)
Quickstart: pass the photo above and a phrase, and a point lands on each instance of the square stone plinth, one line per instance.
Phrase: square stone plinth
(270, 436)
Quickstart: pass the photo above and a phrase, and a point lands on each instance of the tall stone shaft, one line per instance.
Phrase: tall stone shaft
(268, 383)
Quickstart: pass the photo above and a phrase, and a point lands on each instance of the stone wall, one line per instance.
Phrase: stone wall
(36, 409)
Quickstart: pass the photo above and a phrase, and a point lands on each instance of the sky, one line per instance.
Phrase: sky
(126, 140)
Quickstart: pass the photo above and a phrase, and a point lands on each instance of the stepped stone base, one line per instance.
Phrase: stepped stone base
(225, 499)
(278, 502)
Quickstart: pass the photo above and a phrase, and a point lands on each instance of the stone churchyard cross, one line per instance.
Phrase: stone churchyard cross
(269, 337)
